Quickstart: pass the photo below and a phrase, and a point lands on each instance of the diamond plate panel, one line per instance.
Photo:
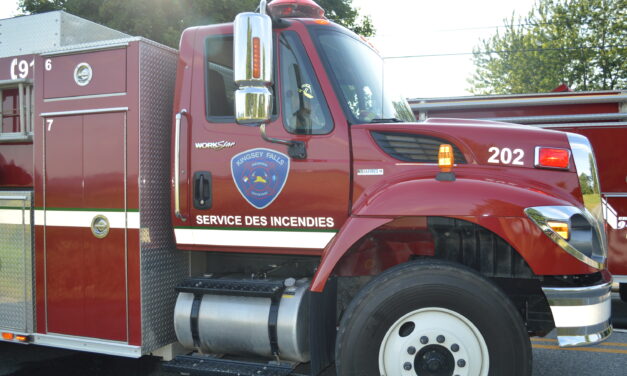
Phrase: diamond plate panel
(162, 266)
(50, 31)
(16, 262)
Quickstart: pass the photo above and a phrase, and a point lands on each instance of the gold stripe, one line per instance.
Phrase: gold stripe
(602, 343)
(585, 349)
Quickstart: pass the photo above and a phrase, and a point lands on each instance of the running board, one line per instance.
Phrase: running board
(195, 365)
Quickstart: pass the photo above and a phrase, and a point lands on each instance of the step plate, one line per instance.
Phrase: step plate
(206, 366)
(257, 288)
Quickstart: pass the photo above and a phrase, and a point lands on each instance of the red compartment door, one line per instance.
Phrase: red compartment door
(84, 177)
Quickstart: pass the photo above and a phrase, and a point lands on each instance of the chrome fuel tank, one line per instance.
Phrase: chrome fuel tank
(234, 324)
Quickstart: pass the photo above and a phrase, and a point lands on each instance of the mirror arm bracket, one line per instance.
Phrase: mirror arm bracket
(295, 149)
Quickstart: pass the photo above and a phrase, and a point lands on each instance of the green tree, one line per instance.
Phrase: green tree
(582, 43)
(164, 20)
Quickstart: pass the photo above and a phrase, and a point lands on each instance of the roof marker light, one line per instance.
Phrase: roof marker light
(295, 9)
(552, 157)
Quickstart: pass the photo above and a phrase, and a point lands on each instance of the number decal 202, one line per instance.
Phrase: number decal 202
(506, 156)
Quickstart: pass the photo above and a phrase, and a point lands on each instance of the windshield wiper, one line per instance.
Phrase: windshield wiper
(386, 120)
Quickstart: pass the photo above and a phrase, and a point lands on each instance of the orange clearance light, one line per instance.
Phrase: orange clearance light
(8, 336)
(295, 9)
(561, 228)
(21, 338)
(552, 157)
(446, 158)
(256, 58)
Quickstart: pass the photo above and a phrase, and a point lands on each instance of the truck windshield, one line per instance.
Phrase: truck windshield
(357, 73)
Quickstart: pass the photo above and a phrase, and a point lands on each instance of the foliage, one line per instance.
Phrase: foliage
(582, 43)
(343, 13)
(163, 20)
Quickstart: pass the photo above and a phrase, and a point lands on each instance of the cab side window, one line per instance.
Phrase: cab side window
(304, 109)
(219, 82)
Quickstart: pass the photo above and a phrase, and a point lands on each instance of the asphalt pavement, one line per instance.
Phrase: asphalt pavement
(608, 358)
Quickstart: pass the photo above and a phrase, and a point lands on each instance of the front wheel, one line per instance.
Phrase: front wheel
(432, 318)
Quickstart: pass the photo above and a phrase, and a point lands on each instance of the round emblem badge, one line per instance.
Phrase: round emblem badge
(100, 226)
(82, 74)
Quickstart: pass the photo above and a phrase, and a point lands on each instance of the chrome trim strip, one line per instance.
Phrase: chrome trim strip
(620, 278)
(540, 215)
(93, 49)
(557, 118)
(464, 102)
(88, 344)
(587, 170)
(584, 339)
(614, 194)
(177, 165)
(81, 112)
(84, 97)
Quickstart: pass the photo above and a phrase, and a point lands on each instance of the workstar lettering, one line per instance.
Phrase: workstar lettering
(259, 175)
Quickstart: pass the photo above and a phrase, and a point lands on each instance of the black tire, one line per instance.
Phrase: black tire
(430, 285)
(622, 291)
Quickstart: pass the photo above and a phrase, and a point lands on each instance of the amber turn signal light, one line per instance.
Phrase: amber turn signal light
(446, 160)
(561, 228)
(256, 58)
(552, 157)
(8, 336)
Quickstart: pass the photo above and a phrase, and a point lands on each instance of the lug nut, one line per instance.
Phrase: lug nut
(461, 363)
(454, 347)
(440, 339)
(407, 366)
(411, 350)
(424, 340)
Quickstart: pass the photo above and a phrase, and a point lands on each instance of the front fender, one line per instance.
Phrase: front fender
(498, 207)
(459, 198)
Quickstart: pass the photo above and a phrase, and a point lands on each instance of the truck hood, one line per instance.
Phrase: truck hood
(480, 141)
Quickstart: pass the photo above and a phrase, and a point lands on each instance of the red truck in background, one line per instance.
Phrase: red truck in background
(261, 200)
(601, 116)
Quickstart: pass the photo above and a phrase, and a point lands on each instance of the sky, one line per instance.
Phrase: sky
(418, 28)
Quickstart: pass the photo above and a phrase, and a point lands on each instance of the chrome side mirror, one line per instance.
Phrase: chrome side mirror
(252, 59)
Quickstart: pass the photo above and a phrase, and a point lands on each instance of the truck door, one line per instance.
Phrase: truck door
(249, 193)
(85, 225)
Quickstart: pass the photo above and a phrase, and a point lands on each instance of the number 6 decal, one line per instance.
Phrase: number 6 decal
(506, 156)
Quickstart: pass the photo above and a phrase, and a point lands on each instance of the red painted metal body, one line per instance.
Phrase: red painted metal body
(600, 116)
(87, 166)
(84, 161)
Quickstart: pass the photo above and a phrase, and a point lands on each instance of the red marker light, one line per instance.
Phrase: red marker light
(552, 157)
(295, 9)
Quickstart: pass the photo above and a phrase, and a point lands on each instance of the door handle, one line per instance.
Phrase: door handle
(177, 165)
(202, 190)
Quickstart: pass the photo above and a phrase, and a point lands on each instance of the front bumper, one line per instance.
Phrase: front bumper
(581, 314)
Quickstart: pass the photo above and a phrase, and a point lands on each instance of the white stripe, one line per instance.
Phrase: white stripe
(578, 316)
(245, 238)
(14, 216)
(70, 218)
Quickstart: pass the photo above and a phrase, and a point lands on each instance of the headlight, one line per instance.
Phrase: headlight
(574, 230)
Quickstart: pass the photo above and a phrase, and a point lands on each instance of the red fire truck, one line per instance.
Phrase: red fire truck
(600, 116)
(261, 200)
